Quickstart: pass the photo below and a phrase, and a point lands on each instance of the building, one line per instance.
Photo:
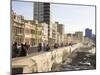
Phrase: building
(65, 39)
(86, 40)
(42, 13)
(75, 38)
(88, 33)
(54, 33)
(44, 33)
(58, 38)
(17, 24)
(60, 30)
(69, 38)
(38, 33)
(32, 32)
(35, 32)
(29, 32)
(79, 36)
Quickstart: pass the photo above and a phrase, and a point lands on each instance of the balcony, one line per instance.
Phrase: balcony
(19, 34)
(18, 22)
(19, 26)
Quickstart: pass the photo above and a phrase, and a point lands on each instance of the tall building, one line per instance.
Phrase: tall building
(60, 30)
(88, 33)
(42, 13)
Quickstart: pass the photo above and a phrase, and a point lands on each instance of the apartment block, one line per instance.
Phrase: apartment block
(79, 35)
(17, 23)
(29, 32)
(44, 33)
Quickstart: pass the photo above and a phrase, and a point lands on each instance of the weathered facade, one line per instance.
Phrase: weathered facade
(17, 24)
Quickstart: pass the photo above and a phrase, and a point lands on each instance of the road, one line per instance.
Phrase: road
(79, 62)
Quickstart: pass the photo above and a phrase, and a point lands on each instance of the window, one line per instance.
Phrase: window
(14, 16)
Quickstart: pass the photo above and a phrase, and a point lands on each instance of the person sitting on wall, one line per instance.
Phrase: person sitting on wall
(14, 50)
(26, 45)
(61, 44)
(23, 51)
(44, 46)
(39, 47)
(55, 45)
(47, 47)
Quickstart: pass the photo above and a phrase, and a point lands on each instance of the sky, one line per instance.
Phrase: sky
(74, 17)
(23, 8)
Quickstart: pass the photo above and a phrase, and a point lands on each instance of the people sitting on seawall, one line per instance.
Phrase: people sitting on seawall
(43, 47)
(47, 47)
(14, 50)
(39, 47)
(19, 50)
(56, 45)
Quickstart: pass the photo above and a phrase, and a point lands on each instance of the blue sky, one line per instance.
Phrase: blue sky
(74, 17)
(23, 8)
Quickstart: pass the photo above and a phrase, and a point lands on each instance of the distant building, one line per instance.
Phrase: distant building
(69, 38)
(60, 30)
(75, 38)
(65, 39)
(94, 38)
(88, 33)
(79, 36)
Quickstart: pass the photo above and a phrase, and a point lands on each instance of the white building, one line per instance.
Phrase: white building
(44, 32)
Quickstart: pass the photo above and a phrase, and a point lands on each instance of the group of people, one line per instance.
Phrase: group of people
(43, 47)
(56, 45)
(19, 50)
